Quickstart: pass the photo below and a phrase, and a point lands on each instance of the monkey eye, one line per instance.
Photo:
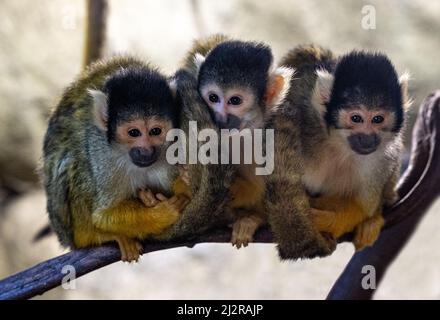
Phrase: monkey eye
(214, 98)
(235, 101)
(377, 119)
(134, 133)
(155, 132)
(357, 119)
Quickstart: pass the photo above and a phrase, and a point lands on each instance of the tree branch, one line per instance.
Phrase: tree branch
(96, 27)
(418, 188)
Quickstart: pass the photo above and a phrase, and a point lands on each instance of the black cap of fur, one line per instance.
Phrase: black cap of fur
(369, 79)
(233, 63)
(138, 93)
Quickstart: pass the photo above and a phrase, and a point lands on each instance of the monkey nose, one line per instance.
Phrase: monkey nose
(221, 118)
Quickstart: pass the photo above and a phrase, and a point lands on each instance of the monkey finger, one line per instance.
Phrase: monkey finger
(147, 197)
(139, 247)
(181, 203)
(184, 174)
(171, 201)
(161, 197)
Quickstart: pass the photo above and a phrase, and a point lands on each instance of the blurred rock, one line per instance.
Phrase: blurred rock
(40, 53)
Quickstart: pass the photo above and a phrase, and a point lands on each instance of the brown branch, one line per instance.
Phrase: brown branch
(418, 188)
(96, 27)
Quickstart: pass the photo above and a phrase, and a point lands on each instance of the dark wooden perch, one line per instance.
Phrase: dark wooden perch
(418, 187)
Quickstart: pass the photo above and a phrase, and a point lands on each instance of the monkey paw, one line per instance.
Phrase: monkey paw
(243, 230)
(177, 202)
(147, 197)
(130, 249)
(367, 232)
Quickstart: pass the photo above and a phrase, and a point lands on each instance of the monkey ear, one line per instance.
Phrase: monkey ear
(100, 108)
(278, 86)
(323, 89)
(198, 61)
(403, 82)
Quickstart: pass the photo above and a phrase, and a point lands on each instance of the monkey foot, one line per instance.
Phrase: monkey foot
(243, 230)
(367, 232)
(130, 249)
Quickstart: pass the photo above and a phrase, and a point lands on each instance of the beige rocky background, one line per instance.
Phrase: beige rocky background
(40, 53)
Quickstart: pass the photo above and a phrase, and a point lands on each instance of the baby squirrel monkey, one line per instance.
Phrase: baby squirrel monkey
(105, 143)
(241, 89)
(354, 108)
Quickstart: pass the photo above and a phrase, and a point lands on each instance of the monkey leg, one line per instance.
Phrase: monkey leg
(132, 219)
(245, 193)
(244, 228)
(130, 248)
(336, 215)
(368, 231)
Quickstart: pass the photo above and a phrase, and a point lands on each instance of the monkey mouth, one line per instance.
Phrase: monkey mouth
(364, 151)
(143, 163)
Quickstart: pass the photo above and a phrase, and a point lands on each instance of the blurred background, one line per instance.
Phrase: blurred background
(41, 51)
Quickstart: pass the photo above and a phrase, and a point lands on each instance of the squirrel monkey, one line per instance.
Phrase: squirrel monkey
(240, 87)
(104, 144)
(353, 111)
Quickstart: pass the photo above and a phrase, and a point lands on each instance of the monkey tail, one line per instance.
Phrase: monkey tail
(306, 58)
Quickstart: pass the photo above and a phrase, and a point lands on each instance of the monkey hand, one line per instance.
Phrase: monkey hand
(147, 198)
(177, 202)
(368, 231)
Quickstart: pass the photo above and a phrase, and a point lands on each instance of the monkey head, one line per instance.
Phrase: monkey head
(236, 82)
(364, 100)
(136, 109)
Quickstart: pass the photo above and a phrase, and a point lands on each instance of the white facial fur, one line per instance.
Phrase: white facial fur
(246, 110)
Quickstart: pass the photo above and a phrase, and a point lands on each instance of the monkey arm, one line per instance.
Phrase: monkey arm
(132, 219)
(246, 193)
(337, 215)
